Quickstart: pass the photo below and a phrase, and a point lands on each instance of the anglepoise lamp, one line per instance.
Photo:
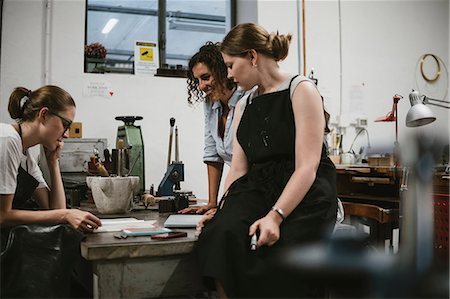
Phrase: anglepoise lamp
(417, 235)
(419, 114)
(392, 116)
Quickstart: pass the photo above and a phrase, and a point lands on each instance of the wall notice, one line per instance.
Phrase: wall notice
(146, 58)
(97, 88)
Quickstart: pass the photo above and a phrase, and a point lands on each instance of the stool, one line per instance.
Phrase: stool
(381, 221)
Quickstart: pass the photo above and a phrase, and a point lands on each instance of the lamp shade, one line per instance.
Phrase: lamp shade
(419, 114)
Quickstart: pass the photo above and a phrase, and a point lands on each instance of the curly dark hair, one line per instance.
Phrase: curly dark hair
(210, 55)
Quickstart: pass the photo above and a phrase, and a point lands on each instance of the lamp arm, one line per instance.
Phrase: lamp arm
(429, 101)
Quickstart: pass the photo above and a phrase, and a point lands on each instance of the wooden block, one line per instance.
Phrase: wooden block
(75, 130)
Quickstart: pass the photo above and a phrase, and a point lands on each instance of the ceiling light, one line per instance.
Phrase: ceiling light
(197, 25)
(109, 25)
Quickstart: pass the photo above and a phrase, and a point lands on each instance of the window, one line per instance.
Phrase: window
(113, 27)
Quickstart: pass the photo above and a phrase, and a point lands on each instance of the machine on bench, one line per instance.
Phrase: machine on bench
(170, 184)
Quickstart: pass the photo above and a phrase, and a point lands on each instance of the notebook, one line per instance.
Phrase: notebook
(183, 220)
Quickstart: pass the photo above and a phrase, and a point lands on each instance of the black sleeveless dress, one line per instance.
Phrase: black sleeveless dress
(266, 133)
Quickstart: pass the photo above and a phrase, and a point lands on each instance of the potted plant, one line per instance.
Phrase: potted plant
(95, 58)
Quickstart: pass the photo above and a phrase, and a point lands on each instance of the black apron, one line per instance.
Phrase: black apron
(37, 260)
(26, 184)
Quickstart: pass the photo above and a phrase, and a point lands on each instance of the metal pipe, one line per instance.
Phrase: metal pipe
(304, 37)
(47, 49)
(162, 31)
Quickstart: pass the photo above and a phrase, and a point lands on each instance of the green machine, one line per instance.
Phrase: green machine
(132, 137)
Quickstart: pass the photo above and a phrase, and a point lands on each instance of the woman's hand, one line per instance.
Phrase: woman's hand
(206, 217)
(53, 156)
(198, 210)
(269, 230)
(82, 220)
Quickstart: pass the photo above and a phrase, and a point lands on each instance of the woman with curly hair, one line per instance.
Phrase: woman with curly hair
(208, 83)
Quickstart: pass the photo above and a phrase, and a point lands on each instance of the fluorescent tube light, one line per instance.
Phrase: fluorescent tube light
(197, 25)
(110, 25)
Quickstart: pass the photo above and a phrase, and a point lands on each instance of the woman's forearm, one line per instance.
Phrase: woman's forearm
(14, 217)
(215, 170)
(296, 189)
(57, 196)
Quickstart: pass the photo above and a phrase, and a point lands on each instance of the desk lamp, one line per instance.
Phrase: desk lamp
(419, 114)
(393, 116)
(418, 229)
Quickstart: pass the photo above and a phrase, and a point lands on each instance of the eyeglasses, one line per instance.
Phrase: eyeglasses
(65, 122)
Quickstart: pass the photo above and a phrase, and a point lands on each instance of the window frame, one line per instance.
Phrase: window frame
(161, 13)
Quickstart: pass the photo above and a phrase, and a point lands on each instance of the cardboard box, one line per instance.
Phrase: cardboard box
(75, 130)
(381, 161)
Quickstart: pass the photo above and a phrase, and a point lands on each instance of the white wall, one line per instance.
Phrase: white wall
(381, 42)
(281, 16)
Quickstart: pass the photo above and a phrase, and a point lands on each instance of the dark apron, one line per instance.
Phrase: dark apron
(26, 184)
(37, 260)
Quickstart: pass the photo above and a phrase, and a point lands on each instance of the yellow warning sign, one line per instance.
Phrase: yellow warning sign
(146, 58)
(146, 54)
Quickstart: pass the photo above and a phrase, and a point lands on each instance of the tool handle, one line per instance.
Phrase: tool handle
(172, 123)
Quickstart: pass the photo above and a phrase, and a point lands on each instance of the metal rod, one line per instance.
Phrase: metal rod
(436, 100)
(439, 105)
(177, 153)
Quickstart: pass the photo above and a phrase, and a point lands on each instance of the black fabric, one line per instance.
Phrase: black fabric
(267, 135)
(26, 184)
(37, 260)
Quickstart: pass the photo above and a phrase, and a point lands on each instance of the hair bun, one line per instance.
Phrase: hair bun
(280, 45)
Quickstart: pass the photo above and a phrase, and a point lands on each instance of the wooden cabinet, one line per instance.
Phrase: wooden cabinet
(370, 185)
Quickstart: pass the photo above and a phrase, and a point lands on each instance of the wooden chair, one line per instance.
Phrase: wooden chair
(381, 221)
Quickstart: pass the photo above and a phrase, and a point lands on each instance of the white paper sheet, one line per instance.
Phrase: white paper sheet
(118, 224)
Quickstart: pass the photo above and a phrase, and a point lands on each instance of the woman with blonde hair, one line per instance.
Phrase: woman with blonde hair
(280, 189)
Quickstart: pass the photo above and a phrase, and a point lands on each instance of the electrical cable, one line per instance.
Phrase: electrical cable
(356, 136)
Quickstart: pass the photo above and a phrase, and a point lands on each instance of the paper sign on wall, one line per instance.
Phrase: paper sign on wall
(97, 88)
(146, 58)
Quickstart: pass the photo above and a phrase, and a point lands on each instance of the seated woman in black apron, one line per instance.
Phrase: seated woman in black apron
(43, 117)
(281, 187)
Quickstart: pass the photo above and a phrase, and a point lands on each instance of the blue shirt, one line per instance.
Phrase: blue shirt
(218, 149)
